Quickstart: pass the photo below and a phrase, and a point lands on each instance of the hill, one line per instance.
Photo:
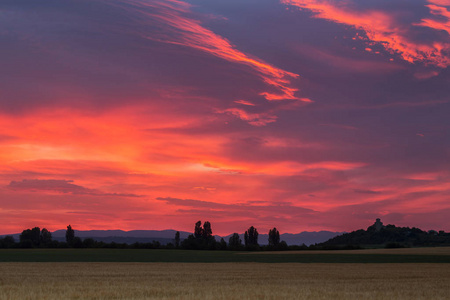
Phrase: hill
(390, 236)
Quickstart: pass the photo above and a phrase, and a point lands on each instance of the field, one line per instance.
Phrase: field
(223, 281)
(413, 255)
(109, 274)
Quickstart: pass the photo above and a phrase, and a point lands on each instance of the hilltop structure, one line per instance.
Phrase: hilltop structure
(378, 225)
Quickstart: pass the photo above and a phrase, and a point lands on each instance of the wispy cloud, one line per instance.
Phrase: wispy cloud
(255, 119)
(181, 29)
(439, 19)
(243, 102)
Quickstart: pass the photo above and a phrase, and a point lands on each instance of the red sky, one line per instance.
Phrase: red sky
(306, 115)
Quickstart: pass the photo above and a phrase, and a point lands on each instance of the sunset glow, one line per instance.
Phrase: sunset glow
(153, 114)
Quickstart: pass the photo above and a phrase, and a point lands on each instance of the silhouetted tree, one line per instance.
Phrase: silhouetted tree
(198, 230)
(70, 235)
(190, 243)
(235, 242)
(177, 239)
(201, 239)
(208, 241)
(7, 242)
(222, 244)
(45, 237)
(274, 237)
(282, 246)
(77, 242)
(207, 231)
(30, 237)
(89, 243)
(251, 238)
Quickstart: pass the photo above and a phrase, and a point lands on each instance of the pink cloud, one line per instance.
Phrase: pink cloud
(440, 22)
(385, 29)
(243, 102)
(440, 2)
(346, 64)
(255, 119)
(180, 29)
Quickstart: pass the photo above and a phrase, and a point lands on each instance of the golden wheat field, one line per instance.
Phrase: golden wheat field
(223, 281)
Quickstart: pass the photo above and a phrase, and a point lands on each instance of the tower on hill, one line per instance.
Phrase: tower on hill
(378, 224)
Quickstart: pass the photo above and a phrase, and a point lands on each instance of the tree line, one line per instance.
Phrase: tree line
(201, 239)
(37, 238)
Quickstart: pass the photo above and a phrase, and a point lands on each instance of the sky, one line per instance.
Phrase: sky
(304, 115)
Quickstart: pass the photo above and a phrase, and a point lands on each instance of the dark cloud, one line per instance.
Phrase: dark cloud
(365, 191)
(280, 208)
(60, 186)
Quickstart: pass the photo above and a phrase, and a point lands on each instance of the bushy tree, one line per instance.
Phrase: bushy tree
(77, 242)
(282, 246)
(30, 237)
(45, 237)
(191, 243)
(89, 243)
(7, 242)
(235, 242)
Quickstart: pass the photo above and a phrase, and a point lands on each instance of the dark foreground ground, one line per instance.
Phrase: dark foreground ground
(413, 255)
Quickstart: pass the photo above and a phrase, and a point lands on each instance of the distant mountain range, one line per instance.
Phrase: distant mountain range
(305, 237)
(167, 236)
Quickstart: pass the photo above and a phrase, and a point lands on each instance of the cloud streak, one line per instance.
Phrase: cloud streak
(59, 186)
(281, 208)
(180, 29)
(439, 19)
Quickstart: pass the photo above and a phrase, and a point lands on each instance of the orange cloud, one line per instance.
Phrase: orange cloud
(440, 2)
(243, 102)
(442, 22)
(87, 169)
(384, 28)
(185, 31)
